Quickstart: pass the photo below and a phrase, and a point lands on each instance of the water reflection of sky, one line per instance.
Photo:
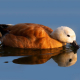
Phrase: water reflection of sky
(52, 13)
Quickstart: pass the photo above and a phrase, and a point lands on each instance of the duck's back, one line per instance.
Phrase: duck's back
(29, 35)
(20, 29)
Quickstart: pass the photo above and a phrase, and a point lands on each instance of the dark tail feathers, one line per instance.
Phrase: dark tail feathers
(3, 29)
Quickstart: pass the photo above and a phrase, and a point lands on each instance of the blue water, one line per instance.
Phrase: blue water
(52, 13)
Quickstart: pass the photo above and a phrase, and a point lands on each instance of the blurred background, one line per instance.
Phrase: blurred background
(52, 13)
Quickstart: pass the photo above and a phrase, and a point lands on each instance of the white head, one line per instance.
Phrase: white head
(64, 34)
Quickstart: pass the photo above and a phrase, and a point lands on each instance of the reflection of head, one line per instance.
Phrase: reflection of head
(65, 59)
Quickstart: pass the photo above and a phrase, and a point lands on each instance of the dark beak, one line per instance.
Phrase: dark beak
(74, 44)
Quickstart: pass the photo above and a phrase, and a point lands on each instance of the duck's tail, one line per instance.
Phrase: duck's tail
(3, 29)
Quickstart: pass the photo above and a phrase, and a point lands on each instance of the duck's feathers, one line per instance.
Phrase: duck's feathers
(29, 35)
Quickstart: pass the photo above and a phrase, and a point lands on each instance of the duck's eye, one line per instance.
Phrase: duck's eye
(70, 60)
(68, 35)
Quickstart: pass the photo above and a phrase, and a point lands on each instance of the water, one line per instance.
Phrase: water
(20, 64)
(38, 64)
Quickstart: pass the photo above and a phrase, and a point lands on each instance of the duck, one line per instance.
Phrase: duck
(36, 36)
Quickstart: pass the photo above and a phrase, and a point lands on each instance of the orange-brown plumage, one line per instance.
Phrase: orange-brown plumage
(29, 35)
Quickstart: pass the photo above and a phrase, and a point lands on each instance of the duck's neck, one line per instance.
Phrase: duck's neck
(53, 35)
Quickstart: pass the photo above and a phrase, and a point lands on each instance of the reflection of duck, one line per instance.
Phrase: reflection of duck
(36, 59)
(9, 51)
(39, 56)
(28, 35)
(30, 56)
(65, 59)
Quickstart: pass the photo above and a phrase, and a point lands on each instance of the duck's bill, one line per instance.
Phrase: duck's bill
(74, 44)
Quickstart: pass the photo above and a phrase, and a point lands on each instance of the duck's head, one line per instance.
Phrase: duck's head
(65, 35)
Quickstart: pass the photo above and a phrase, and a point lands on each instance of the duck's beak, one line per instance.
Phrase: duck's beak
(74, 44)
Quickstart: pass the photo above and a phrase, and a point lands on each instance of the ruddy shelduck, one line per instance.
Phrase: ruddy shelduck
(30, 35)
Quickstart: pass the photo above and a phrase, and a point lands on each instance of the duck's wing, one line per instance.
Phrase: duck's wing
(27, 36)
(27, 29)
